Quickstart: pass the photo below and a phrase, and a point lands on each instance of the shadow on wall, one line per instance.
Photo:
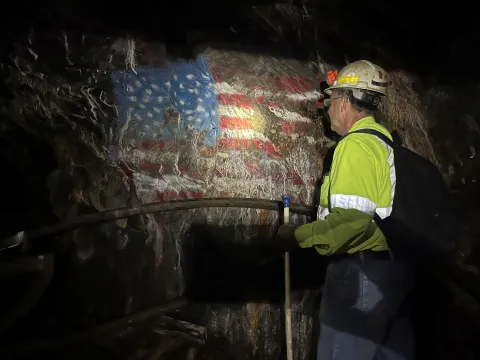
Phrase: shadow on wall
(222, 270)
(25, 162)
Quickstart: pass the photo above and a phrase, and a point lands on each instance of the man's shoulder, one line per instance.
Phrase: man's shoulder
(367, 140)
(364, 143)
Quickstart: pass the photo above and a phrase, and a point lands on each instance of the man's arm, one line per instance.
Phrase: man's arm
(353, 196)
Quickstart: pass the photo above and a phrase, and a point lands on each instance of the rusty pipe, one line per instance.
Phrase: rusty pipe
(23, 239)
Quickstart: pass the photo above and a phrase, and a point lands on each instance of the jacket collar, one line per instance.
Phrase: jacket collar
(369, 120)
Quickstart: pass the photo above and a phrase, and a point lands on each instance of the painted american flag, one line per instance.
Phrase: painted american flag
(206, 129)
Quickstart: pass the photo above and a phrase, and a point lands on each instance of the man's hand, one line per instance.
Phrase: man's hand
(285, 238)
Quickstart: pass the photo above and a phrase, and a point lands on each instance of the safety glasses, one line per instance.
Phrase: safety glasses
(328, 101)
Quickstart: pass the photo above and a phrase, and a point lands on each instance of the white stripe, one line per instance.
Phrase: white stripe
(243, 134)
(353, 202)
(263, 93)
(166, 182)
(393, 178)
(383, 212)
(264, 187)
(235, 111)
(309, 95)
(225, 88)
(295, 136)
(322, 212)
(287, 115)
(170, 182)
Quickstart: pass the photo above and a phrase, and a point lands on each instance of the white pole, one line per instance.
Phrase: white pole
(288, 304)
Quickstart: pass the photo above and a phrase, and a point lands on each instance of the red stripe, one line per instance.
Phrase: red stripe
(236, 144)
(286, 127)
(234, 99)
(259, 100)
(235, 123)
(294, 84)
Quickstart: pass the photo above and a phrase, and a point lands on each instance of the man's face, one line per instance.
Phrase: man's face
(336, 112)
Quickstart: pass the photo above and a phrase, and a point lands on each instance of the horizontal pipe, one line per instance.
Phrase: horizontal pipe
(24, 238)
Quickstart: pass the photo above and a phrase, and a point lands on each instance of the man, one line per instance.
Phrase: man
(365, 286)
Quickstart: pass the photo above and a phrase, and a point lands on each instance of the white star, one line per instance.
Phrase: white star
(190, 118)
(148, 91)
(213, 113)
(191, 91)
(190, 76)
(175, 77)
(130, 88)
(198, 84)
(205, 76)
(188, 112)
(157, 110)
(182, 102)
(138, 117)
(154, 86)
(160, 99)
(181, 86)
(200, 100)
(168, 84)
(138, 83)
(200, 108)
(141, 106)
(149, 114)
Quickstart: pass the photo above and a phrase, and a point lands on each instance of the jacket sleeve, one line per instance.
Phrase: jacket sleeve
(353, 196)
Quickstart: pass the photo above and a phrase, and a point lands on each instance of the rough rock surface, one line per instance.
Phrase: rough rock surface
(80, 120)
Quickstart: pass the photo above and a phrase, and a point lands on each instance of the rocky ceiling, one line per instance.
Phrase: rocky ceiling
(425, 38)
(66, 153)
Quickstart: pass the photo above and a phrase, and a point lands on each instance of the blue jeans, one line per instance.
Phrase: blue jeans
(361, 312)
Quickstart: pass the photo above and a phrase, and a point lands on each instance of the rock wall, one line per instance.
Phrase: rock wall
(107, 112)
(130, 124)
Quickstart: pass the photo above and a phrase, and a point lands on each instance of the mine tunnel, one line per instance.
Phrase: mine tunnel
(114, 116)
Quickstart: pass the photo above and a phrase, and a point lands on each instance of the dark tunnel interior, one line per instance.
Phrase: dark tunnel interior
(59, 162)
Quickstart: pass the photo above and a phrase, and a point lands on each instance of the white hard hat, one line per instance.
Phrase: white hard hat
(362, 75)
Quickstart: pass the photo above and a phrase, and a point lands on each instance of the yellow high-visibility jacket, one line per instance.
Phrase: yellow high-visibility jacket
(362, 182)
